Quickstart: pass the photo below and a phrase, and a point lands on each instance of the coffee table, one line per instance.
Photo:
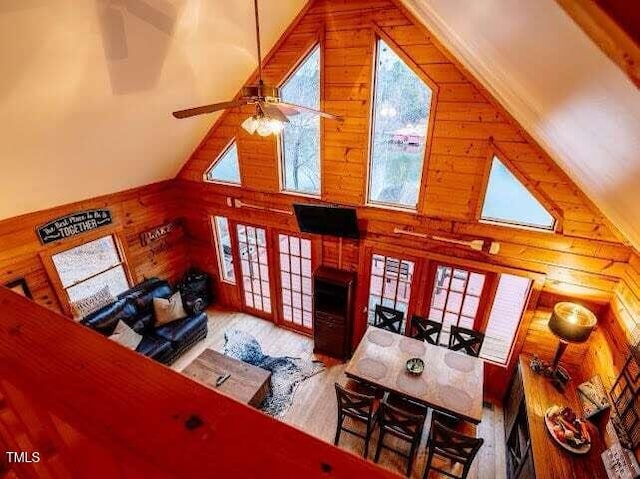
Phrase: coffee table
(248, 384)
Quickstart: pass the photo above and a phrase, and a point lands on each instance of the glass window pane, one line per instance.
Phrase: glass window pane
(226, 168)
(400, 117)
(86, 260)
(300, 139)
(476, 283)
(306, 248)
(284, 243)
(115, 278)
(508, 201)
(505, 316)
(225, 256)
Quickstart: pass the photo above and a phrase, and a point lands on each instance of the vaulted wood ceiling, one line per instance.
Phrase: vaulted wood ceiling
(87, 89)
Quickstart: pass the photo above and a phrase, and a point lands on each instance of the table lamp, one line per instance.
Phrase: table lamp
(571, 323)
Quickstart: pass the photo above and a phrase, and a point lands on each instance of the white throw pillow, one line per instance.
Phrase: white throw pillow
(93, 302)
(126, 336)
(168, 310)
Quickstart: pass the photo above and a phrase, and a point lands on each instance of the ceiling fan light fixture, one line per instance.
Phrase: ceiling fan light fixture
(250, 124)
(262, 125)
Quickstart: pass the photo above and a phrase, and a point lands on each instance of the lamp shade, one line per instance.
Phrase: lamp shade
(572, 322)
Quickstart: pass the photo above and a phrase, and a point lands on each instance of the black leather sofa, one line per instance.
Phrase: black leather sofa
(135, 307)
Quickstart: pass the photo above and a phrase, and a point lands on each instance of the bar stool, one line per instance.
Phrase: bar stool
(424, 329)
(449, 444)
(467, 340)
(404, 420)
(388, 318)
(359, 407)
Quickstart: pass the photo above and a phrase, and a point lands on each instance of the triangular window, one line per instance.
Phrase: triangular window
(508, 201)
(225, 169)
(300, 147)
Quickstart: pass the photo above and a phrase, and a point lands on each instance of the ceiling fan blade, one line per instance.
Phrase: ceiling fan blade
(201, 110)
(272, 111)
(153, 15)
(305, 109)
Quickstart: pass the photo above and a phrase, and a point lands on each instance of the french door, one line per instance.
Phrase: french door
(456, 299)
(296, 283)
(254, 269)
(390, 284)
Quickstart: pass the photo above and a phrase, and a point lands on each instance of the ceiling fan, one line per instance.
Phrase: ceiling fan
(271, 112)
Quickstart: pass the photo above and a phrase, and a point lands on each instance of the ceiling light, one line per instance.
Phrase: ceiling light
(262, 125)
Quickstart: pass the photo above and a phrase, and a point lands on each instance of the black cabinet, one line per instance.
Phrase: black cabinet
(333, 292)
(519, 458)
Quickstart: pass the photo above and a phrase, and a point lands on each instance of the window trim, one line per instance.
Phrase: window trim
(318, 44)
(220, 252)
(226, 148)
(46, 256)
(547, 203)
(379, 34)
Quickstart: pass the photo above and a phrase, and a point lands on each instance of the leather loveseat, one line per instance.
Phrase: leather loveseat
(135, 307)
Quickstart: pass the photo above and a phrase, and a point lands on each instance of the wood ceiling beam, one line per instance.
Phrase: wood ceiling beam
(602, 22)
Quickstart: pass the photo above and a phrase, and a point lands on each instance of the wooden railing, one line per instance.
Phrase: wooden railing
(91, 408)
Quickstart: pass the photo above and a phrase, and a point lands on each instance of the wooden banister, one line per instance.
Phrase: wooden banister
(98, 407)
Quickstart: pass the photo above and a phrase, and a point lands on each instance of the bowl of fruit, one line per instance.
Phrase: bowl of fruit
(567, 430)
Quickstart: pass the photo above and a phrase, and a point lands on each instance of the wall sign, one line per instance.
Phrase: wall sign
(73, 224)
(158, 232)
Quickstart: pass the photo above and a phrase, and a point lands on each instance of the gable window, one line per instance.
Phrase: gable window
(223, 245)
(226, 168)
(508, 201)
(85, 269)
(300, 138)
(401, 108)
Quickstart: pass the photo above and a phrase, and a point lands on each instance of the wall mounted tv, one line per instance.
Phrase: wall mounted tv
(327, 220)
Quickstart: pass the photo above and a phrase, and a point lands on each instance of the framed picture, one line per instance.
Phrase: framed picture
(20, 286)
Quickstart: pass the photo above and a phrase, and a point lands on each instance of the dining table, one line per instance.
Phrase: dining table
(452, 381)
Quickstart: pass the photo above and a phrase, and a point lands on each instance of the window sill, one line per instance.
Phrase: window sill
(517, 227)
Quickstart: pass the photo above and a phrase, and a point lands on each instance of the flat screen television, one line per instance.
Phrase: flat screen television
(327, 220)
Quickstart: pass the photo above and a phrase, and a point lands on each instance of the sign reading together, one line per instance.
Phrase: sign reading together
(73, 224)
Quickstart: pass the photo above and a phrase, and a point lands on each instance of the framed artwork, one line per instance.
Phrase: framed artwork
(20, 286)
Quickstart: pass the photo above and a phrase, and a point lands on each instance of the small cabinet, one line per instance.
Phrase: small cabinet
(518, 439)
(333, 311)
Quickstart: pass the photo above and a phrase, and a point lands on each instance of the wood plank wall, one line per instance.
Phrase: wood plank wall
(133, 212)
(585, 260)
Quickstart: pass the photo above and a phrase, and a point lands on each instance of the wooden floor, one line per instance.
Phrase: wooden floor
(314, 407)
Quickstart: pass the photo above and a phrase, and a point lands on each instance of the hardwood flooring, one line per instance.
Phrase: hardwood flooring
(314, 408)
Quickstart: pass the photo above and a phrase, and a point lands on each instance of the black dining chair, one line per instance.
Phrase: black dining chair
(455, 447)
(424, 329)
(404, 420)
(467, 340)
(362, 408)
(388, 318)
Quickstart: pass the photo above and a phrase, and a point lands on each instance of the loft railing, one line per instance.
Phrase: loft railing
(74, 404)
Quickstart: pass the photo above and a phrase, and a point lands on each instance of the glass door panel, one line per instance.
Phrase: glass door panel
(254, 266)
(390, 284)
(296, 280)
(455, 299)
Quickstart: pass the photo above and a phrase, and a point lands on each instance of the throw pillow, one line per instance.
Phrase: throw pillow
(126, 336)
(169, 309)
(91, 303)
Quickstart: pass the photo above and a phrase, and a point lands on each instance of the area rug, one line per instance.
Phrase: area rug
(286, 372)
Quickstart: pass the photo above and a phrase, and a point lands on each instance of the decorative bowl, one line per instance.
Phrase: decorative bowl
(415, 366)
